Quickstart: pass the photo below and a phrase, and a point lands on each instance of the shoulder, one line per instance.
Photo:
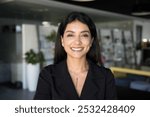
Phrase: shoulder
(46, 71)
(53, 67)
(100, 69)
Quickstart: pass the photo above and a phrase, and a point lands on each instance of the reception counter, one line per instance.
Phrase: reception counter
(132, 83)
(130, 71)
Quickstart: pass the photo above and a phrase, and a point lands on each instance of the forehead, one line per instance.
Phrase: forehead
(76, 25)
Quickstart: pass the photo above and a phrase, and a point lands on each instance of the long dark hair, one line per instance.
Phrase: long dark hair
(94, 52)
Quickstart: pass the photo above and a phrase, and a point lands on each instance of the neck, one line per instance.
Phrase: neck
(77, 65)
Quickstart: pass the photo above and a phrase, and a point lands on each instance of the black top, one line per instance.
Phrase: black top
(55, 83)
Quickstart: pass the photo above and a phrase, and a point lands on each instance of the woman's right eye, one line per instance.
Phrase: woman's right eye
(70, 35)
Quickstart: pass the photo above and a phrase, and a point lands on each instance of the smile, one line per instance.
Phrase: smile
(77, 49)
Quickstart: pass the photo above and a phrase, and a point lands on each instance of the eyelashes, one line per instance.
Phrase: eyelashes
(70, 35)
(85, 35)
(81, 36)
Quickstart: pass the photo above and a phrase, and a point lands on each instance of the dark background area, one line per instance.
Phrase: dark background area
(126, 7)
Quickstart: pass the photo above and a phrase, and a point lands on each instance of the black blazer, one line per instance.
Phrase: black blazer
(55, 83)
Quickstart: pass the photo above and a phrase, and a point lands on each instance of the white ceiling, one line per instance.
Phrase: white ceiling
(50, 10)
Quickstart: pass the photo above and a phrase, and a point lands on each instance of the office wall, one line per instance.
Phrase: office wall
(29, 41)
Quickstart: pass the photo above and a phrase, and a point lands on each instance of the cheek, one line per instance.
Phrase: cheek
(68, 41)
(89, 44)
(64, 42)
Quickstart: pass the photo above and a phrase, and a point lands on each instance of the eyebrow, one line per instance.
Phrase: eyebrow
(69, 31)
(74, 32)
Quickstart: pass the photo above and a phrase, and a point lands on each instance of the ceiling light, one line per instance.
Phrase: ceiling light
(141, 13)
(141, 9)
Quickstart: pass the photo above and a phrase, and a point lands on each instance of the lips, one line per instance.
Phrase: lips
(77, 49)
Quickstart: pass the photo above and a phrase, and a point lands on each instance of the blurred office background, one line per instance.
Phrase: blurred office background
(123, 30)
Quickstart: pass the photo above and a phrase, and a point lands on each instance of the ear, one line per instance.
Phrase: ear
(62, 41)
(92, 41)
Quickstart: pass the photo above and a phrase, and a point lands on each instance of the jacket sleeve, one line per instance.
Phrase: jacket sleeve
(110, 87)
(43, 91)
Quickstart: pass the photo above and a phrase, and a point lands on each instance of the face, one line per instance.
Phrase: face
(77, 40)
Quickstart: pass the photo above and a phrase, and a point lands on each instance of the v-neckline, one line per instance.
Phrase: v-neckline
(73, 86)
(66, 86)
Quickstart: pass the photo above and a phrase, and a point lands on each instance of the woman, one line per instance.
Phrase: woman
(77, 72)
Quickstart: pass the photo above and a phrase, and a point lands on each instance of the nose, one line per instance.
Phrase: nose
(78, 40)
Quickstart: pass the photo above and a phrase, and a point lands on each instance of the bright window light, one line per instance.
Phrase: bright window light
(144, 40)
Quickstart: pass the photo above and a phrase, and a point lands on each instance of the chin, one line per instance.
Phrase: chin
(78, 56)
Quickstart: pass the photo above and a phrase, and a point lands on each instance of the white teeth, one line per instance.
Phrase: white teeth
(77, 49)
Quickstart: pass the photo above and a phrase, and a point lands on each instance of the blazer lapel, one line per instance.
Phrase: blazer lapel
(64, 84)
(94, 84)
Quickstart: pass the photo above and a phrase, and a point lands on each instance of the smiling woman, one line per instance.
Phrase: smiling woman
(76, 40)
(77, 72)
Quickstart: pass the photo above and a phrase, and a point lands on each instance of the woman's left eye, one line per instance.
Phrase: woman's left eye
(85, 35)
